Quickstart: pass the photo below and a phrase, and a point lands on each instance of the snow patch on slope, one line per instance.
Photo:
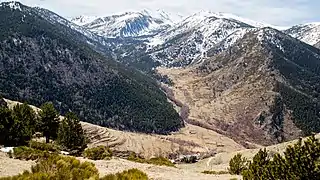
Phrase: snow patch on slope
(247, 21)
(82, 20)
(268, 35)
(130, 24)
(308, 33)
(12, 4)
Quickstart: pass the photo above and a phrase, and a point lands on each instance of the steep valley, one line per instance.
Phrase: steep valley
(243, 92)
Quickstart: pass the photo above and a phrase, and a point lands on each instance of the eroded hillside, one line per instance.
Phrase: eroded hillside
(254, 91)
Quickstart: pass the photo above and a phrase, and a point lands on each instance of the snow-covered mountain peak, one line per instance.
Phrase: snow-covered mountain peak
(82, 20)
(308, 33)
(128, 24)
(201, 15)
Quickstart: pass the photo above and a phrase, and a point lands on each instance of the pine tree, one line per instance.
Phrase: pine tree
(300, 161)
(26, 115)
(237, 164)
(258, 167)
(17, 126)
(6, 122)
(71, 135)
(49, 121)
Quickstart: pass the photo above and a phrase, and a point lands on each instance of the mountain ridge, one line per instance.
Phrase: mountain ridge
(45, 61)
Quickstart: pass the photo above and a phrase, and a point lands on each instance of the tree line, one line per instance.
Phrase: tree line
(19, 125)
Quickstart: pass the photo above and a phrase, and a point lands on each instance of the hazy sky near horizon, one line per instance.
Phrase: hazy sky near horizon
(276, 12)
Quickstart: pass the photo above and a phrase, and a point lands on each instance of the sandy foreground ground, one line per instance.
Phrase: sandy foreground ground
(10, 167)
(157, 172)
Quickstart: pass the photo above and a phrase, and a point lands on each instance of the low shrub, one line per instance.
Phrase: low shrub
(98, 153)
(189, 159)
(59, 167)
(161, 161)
(27, 153)
(131, 174)
(44, 146)
(215, 172)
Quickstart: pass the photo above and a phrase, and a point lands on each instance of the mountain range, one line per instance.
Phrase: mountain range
(44, 57)
(154, 39)
(251, 81)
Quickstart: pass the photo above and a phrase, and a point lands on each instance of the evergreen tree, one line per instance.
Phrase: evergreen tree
(71, 135)
(17, 126)
(6, 122)
(257, 168)
(237, 164)
(49, 121)
(300, 161)
(26, 115)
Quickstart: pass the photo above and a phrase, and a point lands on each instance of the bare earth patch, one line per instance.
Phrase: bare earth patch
(156, 172)
(11, 167)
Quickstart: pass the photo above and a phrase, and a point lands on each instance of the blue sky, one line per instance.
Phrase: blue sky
(276, 12)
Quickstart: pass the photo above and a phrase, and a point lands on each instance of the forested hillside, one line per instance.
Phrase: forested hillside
(42, 61)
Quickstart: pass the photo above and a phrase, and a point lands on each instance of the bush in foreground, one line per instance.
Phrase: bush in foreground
(44, 146)
(27, 153)
(58, 167)
(98, 153)
(131, 174)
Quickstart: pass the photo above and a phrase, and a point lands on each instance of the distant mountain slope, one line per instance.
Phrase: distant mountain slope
(263, 89)
(129, 24)
(308, 33)
(147, 39)
(190, 39)
(45, 61)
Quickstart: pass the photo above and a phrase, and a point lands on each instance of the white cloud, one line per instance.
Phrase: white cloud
(283, 12)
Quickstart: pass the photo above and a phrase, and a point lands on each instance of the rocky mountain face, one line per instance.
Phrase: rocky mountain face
(45, 60)
(190, 39)
(263, 89)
